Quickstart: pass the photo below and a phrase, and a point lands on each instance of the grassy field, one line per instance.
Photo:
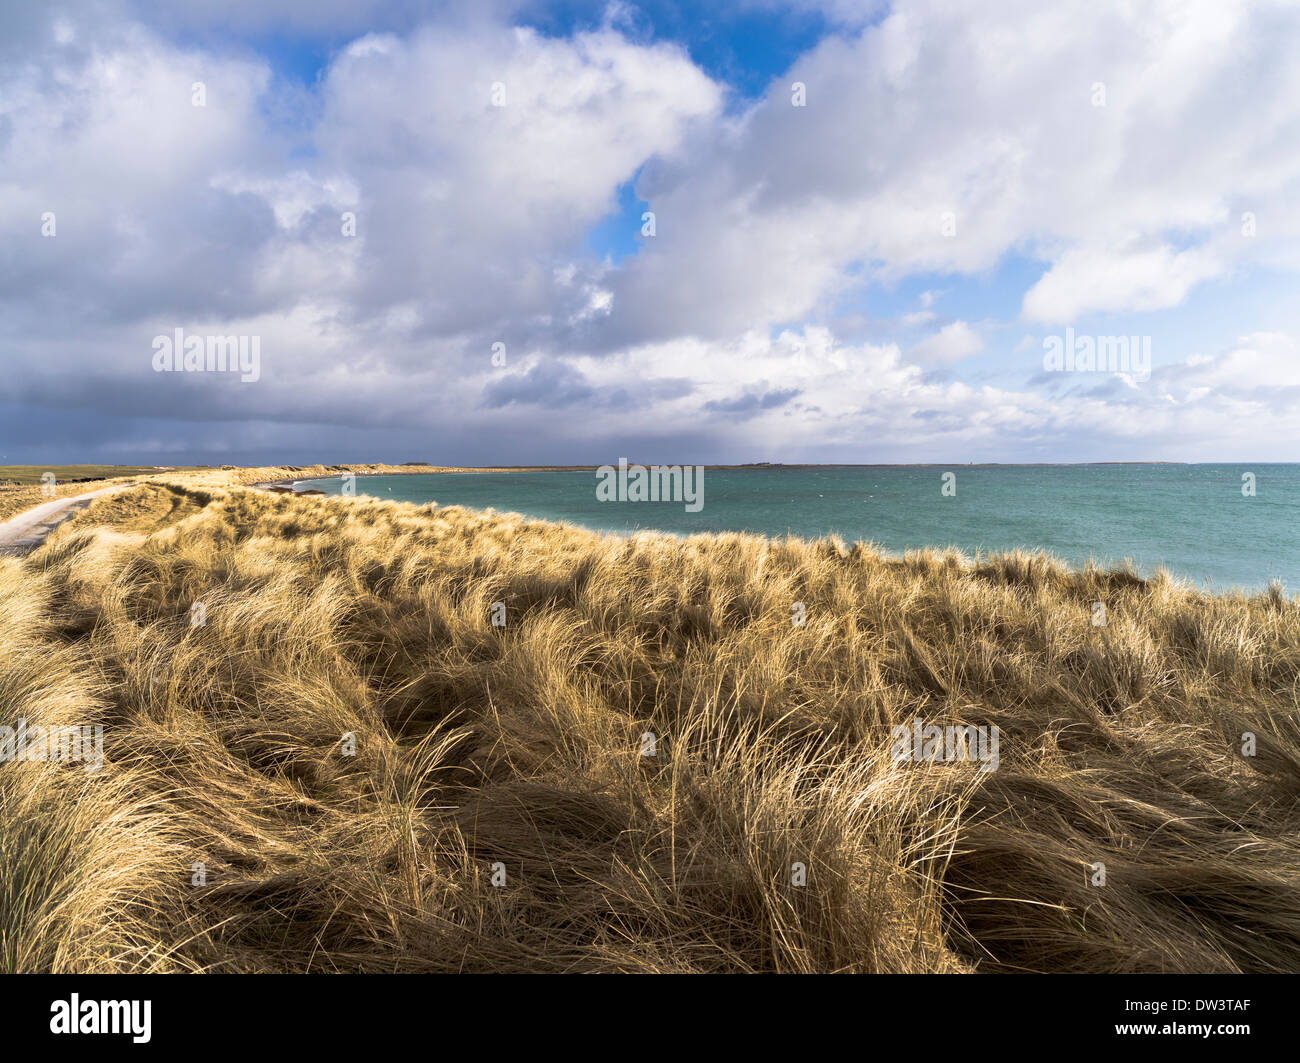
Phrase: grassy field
(18, 475)
(347, 766)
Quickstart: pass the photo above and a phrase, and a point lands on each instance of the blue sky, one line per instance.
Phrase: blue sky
(869, 269)
(744, 47)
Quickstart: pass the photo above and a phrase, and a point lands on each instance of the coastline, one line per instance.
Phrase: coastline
(333, 472)
(1193, 571)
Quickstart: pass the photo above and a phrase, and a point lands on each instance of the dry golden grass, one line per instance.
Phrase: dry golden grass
(478, 745)
(146, 508)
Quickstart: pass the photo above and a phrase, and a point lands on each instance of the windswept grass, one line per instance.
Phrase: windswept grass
(230, 830)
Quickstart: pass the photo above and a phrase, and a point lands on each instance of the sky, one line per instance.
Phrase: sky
(771, 230)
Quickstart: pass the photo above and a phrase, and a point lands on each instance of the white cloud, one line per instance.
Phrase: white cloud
(952, 343)
(1088, 279)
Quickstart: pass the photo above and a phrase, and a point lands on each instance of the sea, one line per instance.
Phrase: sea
(1221, 527)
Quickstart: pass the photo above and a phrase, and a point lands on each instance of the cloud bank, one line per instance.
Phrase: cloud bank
(410, 234)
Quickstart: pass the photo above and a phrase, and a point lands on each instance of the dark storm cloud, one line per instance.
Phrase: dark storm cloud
(752, 403)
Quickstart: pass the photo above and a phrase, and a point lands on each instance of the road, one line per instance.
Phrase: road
(24, 533)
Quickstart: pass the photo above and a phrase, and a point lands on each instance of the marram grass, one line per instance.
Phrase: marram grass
(498, 813)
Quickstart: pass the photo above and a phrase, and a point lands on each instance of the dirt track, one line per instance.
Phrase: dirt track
(24, 533)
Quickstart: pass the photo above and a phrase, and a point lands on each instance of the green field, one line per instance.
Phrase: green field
(31, 474)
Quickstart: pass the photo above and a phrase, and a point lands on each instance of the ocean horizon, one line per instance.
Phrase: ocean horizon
(1225, 526)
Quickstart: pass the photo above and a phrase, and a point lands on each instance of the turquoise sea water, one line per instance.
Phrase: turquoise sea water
(1191, 519)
